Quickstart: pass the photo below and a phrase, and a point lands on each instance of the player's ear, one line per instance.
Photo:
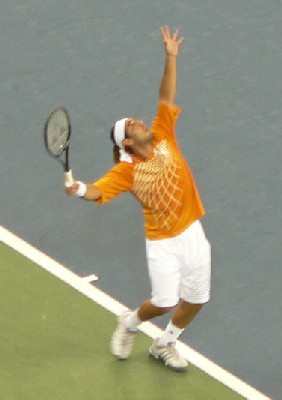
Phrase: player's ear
(127, 142)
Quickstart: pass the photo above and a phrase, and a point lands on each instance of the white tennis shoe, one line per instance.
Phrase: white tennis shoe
(169, 356)
(122, 339)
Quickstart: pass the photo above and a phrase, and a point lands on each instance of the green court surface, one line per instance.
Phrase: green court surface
(55, 345)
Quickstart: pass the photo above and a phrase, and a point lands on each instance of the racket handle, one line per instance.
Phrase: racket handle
(69, 181)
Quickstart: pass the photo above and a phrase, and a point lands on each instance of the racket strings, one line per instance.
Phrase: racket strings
(157, 184)
(57, 132)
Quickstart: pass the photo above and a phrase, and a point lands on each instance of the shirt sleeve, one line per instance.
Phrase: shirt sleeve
(116, 181)
(163, 126)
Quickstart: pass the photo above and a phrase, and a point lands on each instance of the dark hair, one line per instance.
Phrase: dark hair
(112, 135)
(115, 147)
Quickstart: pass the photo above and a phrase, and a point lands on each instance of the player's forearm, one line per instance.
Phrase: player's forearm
(168, 84)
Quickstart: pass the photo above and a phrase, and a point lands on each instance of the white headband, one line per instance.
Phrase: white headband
(119, 136)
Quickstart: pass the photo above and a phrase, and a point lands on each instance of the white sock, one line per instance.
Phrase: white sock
(170, 335)
(132, 321)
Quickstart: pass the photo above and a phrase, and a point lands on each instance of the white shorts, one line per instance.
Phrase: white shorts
(180, 267)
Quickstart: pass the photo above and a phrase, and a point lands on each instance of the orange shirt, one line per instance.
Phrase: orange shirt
(163, 183)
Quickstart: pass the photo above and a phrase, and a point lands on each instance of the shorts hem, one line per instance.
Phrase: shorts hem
(198, 300)
(164, 303)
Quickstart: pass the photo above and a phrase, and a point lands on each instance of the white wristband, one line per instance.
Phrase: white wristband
(82, 188)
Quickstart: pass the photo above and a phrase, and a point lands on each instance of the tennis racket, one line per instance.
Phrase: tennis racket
(57, 133)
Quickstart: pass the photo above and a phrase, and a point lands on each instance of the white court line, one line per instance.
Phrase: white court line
(90, 278)
(107, 302)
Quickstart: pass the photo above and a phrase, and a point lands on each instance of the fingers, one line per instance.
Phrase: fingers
(71, 190)
(175, 34)
(180, 40)
(165, 31)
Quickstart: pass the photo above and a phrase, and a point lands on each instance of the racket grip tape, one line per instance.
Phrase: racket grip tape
(69, 181)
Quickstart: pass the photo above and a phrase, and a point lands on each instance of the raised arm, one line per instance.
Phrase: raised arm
(167, 91)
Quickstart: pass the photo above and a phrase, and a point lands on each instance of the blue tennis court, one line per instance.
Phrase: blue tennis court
(103, 60)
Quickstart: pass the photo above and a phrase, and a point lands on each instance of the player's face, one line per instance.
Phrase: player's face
(138, 131)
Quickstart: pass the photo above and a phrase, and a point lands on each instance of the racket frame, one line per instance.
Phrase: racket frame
(65, 149)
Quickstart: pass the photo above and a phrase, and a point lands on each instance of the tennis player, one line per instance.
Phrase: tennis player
(151, 166)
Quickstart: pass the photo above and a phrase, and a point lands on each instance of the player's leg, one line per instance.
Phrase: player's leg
(185, 313)
(194, 287)
(164, 273)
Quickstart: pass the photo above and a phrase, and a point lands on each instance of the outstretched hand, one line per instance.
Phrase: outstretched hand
(171, 42)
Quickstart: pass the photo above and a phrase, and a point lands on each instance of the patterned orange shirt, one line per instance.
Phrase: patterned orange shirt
(163, 183)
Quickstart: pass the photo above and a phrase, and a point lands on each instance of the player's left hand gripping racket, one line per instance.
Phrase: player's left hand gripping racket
(57, 133)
